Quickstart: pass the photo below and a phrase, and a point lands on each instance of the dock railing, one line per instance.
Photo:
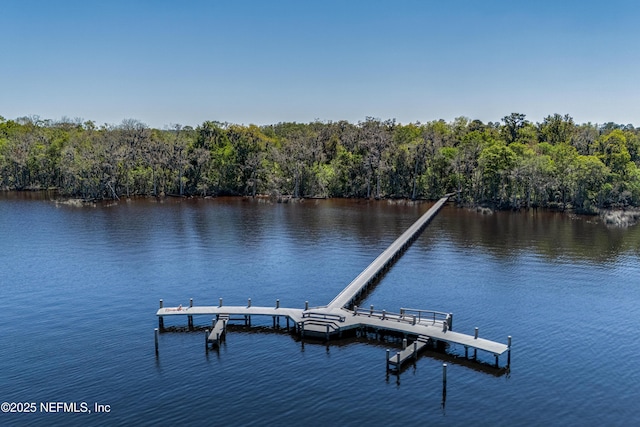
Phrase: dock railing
(428, 316)
(324, 316)
(381, 314)
(409, 315)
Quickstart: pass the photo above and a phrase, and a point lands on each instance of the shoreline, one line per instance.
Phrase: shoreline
(614, 217)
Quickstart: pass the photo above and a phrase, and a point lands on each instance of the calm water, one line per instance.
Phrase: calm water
(80, 287)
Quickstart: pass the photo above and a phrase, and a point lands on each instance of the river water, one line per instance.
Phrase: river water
(80, 287)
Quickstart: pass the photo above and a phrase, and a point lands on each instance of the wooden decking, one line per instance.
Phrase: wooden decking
(410, 352)
(341, 316)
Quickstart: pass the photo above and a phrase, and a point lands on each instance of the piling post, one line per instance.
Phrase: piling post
(415, 350)
(398, 361)
(327, 332)
(206, 339)
(306, 305)
(160, 318)
(249, 303)
(220, 302)
(384, 314)
(444, 375)
(355, 310)
(155, 333)
(371, 311)
(190, 302)
(277, 303)
(475, 350)
(404, 343)
(509, 351)
(190, 322)
(388, 351)
(496, 360)
(451, 321)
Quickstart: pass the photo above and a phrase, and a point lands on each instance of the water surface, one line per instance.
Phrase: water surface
(80, 288)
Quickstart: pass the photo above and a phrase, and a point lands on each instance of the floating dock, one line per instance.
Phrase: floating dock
(341, 315)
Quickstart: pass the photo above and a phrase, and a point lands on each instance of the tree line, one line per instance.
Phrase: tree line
(509, 164)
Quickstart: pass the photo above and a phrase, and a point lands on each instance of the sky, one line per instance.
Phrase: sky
(264, 62)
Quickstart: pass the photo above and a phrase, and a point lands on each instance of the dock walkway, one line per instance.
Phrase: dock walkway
(383, 261)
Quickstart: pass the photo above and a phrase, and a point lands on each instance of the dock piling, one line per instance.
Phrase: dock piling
(155, 333)
(160, 318)
(206, 339)
(388, 352)
(277, 303)
(190, 302)
(444, 375)
(306, 305)
(249, 303)
(404, 343)
(509, 351)
(220, 302)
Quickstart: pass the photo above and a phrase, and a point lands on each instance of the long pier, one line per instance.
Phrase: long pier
(386, 258)
(341, 316)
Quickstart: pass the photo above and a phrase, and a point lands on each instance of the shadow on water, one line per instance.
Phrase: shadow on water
(388, 341)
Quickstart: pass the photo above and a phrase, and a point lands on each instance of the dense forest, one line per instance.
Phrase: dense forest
(510, 164)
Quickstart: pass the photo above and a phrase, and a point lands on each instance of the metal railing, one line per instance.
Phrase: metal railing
(408, 315)
(324, 316)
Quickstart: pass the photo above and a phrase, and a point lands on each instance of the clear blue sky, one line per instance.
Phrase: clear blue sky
(262, 62)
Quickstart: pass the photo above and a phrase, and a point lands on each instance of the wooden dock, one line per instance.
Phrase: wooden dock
(409, 352)
(342, 316)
